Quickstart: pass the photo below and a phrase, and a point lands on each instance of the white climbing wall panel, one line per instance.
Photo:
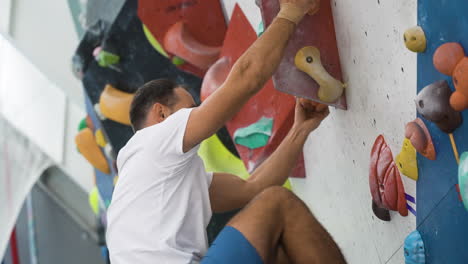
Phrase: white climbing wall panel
(381, 76)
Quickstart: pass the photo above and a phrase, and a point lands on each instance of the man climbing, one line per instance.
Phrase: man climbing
(164, 198)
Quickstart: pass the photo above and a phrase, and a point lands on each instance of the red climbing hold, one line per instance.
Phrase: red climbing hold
(385, 180)
(215, 77)
(180, 42)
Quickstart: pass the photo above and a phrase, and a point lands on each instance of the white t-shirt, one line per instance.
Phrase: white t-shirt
(160, 207)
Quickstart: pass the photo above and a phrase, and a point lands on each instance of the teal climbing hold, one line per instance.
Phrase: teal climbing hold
(261, 29)
(463, 178)
(106, 59)
(255, 135)
(82, 125)
(414, 249)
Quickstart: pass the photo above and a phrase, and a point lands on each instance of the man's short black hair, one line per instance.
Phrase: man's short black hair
(157, 91)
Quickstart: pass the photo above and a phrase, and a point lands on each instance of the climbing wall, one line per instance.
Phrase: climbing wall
(381, 76)
(442, 219)
(382, 81)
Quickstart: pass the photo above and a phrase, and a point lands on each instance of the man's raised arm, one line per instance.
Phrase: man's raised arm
(248, 75)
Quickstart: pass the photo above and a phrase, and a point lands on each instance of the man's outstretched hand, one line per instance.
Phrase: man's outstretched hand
(309, 115)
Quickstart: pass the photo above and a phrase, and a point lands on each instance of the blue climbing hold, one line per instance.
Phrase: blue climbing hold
(414, 249)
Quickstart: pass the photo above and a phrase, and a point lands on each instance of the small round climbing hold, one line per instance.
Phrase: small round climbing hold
(415, 39)
(82, 125)
(177, 61)
(414, 249)
(100, 138)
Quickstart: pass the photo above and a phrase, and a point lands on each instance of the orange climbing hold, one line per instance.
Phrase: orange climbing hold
(86, 144)
(450, 59)
(115, 104)
(417, 132)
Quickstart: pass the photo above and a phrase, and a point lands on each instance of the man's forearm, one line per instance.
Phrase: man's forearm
(246, 78)
(276, 169)
(260, 61)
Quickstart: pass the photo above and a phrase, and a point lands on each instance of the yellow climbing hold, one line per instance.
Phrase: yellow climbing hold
(415, 39)
(116, 178)
(308, 60)
(93, 200)
(406, 160)
(100, 139)
(218, 158)
(114, 104)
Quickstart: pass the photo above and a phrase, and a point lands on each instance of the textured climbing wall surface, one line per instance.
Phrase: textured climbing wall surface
(381, 75)
(442, 219)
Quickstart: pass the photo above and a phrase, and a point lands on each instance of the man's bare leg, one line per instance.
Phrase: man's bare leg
(278, 217)
(281, 256)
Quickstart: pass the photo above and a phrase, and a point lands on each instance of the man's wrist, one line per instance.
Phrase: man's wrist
(291, 12)
(299, 133)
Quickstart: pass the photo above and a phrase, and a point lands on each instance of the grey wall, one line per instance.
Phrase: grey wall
(44, 32)
(58, 238)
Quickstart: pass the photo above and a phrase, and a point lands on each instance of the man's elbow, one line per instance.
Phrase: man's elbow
(249, 72)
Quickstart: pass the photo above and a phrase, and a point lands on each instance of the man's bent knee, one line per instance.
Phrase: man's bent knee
(278, 194)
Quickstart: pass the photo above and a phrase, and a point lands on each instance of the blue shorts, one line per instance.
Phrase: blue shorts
(231, 247)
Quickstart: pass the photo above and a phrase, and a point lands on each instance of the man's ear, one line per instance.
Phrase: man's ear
(160, 112)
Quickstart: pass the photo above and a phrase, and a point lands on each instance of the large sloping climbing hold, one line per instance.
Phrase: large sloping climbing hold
(86, 144)
(406, 160)
(308, 60)
(432, 103)
(414, 249)
(450, 60)
(180, 42)
(463, 178)
(417, 132)
(115, 104)
(256, 135)
(206, 29)
(385, 182)
(415, 39)
(215, 77)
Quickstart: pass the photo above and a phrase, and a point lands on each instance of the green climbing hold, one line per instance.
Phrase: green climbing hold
(177, 61)
(106, 59)
(255, 135)
(261, 29)
(154, 42)
(82, 125)
(463, 178)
